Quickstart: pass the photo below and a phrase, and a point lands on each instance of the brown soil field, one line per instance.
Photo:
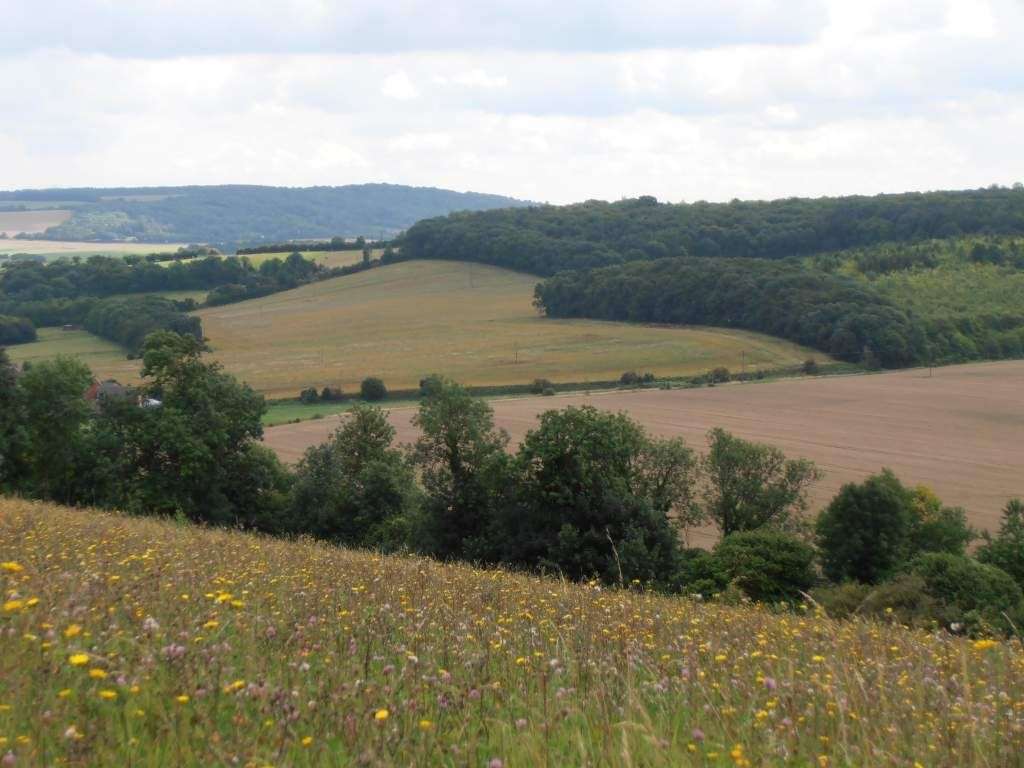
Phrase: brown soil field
(959, 430)
(14, 222)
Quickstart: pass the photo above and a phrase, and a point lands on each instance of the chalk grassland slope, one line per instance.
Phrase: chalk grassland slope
(136, 642)
(58, 248)
(107, 360)
(475, 324)
(15, 222)
(957, 430)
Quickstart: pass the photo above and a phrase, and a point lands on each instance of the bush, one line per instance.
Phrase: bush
(720, 375)
(542, 387)
(16, 330)
(373, 389)
(1006, 550)
(767, 565)
(332, 395)
(842, 600)
(629, 379)
(810, 366)
(968, 592)
(431, 385)
(309, 396)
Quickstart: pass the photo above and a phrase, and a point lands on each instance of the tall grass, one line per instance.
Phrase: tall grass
(136, 642)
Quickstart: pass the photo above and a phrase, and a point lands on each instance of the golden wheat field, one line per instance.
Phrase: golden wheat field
(143, 643)
(473, 323)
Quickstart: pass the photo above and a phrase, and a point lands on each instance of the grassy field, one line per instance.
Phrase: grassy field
(107, 360)
(14, 222)
(326, 258)
(144, 643)
(55, 249)
(473, 323)
(956, 430)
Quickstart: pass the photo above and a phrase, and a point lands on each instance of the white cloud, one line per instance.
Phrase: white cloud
(869, 96)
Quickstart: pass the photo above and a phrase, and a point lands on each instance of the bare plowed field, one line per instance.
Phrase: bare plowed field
(960, 431)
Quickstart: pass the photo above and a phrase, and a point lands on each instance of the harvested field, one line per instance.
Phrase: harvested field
(106, 359)
(958, 431)
(14, 222)
(56, 249)
(473, 323)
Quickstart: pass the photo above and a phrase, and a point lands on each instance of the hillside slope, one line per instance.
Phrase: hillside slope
(473, 323)
(233, 214)
(131, 641)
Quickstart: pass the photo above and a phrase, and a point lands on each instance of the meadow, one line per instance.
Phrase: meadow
(139, 642)
(56, 249)
(956, 429)
(107, 360)
(473, 323)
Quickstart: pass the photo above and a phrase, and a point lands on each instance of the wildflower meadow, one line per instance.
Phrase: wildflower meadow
(135, 642)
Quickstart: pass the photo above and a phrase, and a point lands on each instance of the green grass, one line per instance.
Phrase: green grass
(107, 360)
(136, 642)
(472, 323)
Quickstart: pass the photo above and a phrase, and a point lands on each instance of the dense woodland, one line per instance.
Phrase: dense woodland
(891, 280)
(239, 214)
(587, 495)
(548, 239)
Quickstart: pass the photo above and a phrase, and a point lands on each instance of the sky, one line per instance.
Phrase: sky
(547, 101)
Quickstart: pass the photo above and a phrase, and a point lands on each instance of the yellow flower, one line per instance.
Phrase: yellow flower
(63, 693)
(11, 567)
(381, 715)
(235, 686)
(984, 645)
(13, 605)
(31, 602)
(721, 657)
(78, 659)
(426, 725)
(108, 695)
(307, 740)
(817, 659)
(182, 699)
(97, 674)
(73, 630)
(211, 624)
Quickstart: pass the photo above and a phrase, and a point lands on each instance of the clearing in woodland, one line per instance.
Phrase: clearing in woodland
(143, 642)
(956, 430)
(475, 324)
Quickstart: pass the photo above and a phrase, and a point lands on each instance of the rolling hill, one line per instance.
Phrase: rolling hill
(235, 214)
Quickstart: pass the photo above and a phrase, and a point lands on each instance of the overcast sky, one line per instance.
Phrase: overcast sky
(558, 101)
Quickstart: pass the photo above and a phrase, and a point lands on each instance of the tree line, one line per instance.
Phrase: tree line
(544, 240)
(836, 314)
(588, 494)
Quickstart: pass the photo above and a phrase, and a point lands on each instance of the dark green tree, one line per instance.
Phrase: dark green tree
(750, 485)
(1005, 550)
(190, 443)
(356, 489)
(55, 412)
(769, 566)
(578, 507)
(12, 424)
(864, 534)
(372, 389)
(463, 466)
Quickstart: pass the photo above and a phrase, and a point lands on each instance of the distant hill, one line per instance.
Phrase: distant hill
(242, 214)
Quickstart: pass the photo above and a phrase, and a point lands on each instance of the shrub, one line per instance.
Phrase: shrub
(542, 387)
(332, 395)
(968, 592)
(373, 389)
(768, 566)
(309, 396)
(810, 366)
(629, 379)
(720, 375)
(1006, 550)
(431, 385)
(841, 600)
